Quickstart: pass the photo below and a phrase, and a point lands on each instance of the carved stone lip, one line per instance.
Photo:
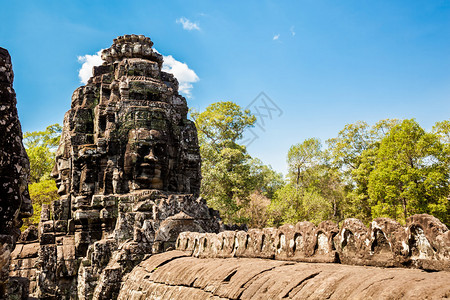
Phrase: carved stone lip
(153, 179)
(150, 166)
(154, 182)
(149, 173)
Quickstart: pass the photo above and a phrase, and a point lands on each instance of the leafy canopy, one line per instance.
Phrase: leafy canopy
(411, 174)
(40, 147)
(229, 174)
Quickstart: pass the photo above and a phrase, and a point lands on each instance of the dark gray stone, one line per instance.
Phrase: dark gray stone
(15, 202)
(128, 175)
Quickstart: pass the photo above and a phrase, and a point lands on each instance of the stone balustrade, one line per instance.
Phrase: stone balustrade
(423, 243)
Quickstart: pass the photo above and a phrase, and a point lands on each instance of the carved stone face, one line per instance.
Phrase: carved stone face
(146, 159)
(61, 174)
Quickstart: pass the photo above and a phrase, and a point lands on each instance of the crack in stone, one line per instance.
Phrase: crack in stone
(300, 283)
(229, 276)
(166, 262)
(186, 286)
(255, 276)
(378, 281)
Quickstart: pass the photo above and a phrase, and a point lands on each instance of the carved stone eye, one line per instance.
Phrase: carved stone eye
(143, 150)
(158, 150)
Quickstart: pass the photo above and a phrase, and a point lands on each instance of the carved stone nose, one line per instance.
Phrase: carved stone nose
(55, 173)
(151, 156)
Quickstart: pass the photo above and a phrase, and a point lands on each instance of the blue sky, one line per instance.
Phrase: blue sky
(323, 63)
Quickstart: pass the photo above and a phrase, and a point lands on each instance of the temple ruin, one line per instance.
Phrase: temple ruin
(128, 175)
(15, 202)
(129, 223)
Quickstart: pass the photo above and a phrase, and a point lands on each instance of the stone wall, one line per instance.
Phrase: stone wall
(175, 275)
(302, 262)
(25, 257)
(424, 243)
(15, 202)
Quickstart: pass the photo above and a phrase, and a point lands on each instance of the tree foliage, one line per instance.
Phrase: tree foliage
(313, 192)
(222, 124)
(40, 147)
(230, 175)
(391, 169)
(410, 175)
(42, 192)
(352, 154)
(302, 158)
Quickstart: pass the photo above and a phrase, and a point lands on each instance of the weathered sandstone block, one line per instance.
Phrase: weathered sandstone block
(423, 243)
(15, 202)
(173, 275)
(128, 175)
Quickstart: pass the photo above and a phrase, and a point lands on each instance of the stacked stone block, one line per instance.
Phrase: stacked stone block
(423, 243)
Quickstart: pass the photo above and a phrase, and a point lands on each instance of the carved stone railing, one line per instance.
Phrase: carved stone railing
(424, 243)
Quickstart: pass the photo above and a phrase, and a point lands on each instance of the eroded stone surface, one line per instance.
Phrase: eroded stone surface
(423, 243)
(15, 202)
(128, 175)
(173, 275)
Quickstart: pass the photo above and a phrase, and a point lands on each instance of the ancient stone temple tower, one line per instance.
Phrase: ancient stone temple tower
(128, 176)
(15, 201)
(127, 129)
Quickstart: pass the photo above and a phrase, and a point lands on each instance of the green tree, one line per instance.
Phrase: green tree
(292, 204)
(42, 192)
(303, 157)
(222, 124)
(411, 174)
(287, 206)
(40, 147)
(442, 130)
(265, 183)
(227, 182)
(347, 147)
(266, 180)
(229, 174)
(313, 192)
(352, 154)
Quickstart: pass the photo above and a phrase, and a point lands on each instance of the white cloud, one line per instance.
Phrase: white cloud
(182, 73)
(187, 24)
(185, 76)
(88, 61)
(292, 30)
(276, 37)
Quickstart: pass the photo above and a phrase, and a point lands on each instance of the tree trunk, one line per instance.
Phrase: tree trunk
(404, 208)
(334, 208)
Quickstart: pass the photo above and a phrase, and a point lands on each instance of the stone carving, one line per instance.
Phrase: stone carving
(423, 243)
(128, 175)
(127, 129)
(176, 275)
(15, 202)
